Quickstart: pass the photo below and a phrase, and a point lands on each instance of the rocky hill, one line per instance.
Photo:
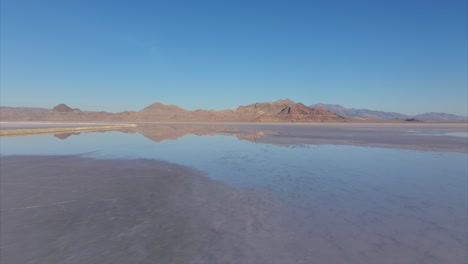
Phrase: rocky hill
(286, 110)
(278, 111)
(65, 108)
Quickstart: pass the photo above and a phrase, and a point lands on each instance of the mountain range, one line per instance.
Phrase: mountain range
(279, 111)
(381, 115)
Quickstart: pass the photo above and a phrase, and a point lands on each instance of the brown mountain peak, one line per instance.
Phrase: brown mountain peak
(65, 108)
(285, 101)
(161, 106)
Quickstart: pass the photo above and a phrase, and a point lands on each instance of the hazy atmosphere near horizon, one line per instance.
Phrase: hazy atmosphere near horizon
(402, 56)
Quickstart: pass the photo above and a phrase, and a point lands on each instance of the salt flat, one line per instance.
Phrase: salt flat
(31, 125)
(239, 193)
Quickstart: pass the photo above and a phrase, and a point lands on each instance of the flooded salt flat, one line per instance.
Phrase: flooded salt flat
(347, 194)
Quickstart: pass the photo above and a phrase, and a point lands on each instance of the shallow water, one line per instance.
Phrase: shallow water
(340, 203)
(457, 134)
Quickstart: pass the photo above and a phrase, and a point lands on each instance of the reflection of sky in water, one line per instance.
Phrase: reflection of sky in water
(357, 198)
(244, 163)
(457, 134)
(451, 134)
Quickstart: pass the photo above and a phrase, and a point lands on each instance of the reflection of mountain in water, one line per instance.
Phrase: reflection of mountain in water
(66, 135)
(387, 136)
(159, 133)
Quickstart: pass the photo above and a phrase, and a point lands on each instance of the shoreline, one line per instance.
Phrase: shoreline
(369, 122)
(59, 130)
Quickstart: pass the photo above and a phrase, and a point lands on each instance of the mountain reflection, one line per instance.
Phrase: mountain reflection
(159, 133)
(418, 137)
(66, 135)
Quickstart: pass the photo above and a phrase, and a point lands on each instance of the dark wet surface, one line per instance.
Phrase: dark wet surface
(73, 210)
(250, 199)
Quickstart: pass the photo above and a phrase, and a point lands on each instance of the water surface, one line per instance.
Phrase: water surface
(356, 195)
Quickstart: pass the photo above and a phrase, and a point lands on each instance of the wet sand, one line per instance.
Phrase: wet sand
(69, 209)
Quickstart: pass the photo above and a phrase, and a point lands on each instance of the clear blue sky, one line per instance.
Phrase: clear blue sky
(393, 55)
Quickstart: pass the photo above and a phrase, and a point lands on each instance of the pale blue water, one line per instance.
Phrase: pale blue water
(397, 201)
(457, 134)
(451, 134)
(298, 168)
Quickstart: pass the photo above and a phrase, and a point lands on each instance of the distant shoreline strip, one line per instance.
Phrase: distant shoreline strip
(54, 130)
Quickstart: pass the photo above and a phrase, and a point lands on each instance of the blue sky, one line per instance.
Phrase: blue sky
(404, 56)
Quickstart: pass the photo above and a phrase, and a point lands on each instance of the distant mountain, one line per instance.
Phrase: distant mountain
(60, 112)
(373, 114)
(286, 110)
(440, 117)
(278, 111)
(161, 111)
(65, 108)
(361, 113)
